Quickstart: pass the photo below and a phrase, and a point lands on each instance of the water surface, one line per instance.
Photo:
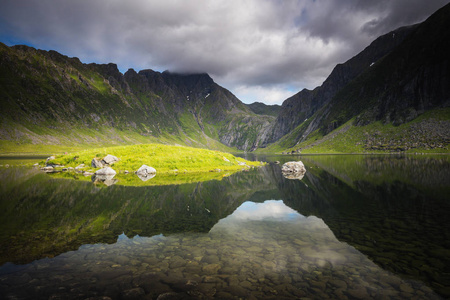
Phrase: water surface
(355, 227)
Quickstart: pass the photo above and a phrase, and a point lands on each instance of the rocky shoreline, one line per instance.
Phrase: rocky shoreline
(429, 134)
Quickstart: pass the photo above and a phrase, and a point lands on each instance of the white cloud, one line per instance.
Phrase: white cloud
(270, 209)
(269, 95)
(252, 45)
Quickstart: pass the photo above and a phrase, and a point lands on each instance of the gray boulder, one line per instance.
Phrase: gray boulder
(48, 162)
(105, 171)
(48, 169)
(293, 170)
(110, 159)
(96, 163)
(103, 162)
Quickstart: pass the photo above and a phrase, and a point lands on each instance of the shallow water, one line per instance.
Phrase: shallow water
(355, 227)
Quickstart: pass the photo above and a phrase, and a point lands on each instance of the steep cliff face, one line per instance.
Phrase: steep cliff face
(395, 80)
(412, 79)
(215, 110)
(298, 108)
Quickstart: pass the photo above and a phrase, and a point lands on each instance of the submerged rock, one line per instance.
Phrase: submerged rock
(133, 293)
(48, 169)
(105, 179)
(298, 176)
(145, 177)
(293, 170)
(105, 171)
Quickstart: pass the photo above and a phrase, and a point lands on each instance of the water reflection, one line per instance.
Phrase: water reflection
(43, 216)
(273, 210)
(263, 251)
(107, 180)
(347, 212)
(272, 221)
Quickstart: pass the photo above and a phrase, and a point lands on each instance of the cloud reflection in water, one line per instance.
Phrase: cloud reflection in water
(272, 224)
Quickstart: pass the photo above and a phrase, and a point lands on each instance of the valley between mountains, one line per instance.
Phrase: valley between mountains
(394, 96)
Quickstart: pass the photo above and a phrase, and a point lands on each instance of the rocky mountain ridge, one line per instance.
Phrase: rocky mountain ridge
(306, 103)
(41, 89)
(396, 79)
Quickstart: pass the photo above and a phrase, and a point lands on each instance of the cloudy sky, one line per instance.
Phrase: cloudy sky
(261, 50)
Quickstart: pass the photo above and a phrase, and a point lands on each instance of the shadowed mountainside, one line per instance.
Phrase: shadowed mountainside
(395, 82)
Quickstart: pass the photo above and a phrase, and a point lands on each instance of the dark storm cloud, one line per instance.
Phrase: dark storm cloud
(260, 49)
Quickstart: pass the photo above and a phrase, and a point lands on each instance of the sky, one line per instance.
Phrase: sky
(261, 50)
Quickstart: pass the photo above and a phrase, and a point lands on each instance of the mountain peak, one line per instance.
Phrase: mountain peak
(188, 76)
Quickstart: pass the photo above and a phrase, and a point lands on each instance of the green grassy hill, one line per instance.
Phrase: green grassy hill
(51, 99)
(164, 158)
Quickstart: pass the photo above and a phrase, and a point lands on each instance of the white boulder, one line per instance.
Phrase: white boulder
(105, 171)
(145, 172)
(293, 170)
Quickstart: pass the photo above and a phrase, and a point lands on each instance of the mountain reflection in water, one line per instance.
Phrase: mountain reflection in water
(262, 250)
(342, 231)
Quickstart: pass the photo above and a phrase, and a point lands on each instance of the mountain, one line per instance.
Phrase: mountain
(393, 96)
(47, 97)
(304, 104)
(264, 109)
(399, 84)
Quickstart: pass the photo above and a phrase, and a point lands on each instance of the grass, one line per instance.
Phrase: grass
(412, 137)
(41, 140)
(17, 148)
(164, 158)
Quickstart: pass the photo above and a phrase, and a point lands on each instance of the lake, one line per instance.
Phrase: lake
(354, 227)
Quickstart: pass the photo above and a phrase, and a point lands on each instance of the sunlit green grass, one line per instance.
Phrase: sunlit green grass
(164, 158)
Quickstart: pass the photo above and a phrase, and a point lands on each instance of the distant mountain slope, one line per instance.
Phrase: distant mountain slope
(264, 109)
(399, 77)
(46, 97)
